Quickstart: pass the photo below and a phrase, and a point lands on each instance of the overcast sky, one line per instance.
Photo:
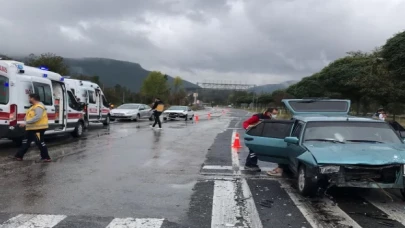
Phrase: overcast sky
(256, 41)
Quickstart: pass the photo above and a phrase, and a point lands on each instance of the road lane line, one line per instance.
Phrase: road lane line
(225, 212)
(33, 221)
(241, 168)
(135, 223)
(320, 216)
(393, 209)
(252, 216)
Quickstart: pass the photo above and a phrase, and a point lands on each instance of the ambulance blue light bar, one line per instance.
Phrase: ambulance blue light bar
(43, 68)
(45, 75)
(62, 79)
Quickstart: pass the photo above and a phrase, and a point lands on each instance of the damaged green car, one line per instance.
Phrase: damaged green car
(323, 146)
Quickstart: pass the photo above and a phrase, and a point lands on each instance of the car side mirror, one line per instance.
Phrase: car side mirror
(292, 140)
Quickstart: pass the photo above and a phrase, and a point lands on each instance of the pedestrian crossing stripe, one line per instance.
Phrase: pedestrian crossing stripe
(50, 221)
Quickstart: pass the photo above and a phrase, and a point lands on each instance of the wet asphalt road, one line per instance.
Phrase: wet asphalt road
(128, 175)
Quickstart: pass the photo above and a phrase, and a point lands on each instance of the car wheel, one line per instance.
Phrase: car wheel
(403, 193)
(78, 132)
(137, 117)
(107, 121)
(304, 184)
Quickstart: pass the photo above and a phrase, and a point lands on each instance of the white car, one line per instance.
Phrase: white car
(178, 112)
(131, 111)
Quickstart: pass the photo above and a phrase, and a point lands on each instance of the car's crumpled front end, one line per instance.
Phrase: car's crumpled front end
(363, 176)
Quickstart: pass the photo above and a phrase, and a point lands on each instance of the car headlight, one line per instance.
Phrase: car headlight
(329, 169)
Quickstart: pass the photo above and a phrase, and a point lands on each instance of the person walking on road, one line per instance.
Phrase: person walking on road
(157, 109)
(36, 123)
(251, 160)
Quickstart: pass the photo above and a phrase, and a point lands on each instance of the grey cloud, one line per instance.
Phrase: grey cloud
(265, 40)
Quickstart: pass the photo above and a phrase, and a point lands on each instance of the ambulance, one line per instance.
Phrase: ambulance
(96, 106)
(17, 81)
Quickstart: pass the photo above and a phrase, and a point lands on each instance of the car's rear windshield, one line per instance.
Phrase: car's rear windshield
(178, 108)
(319, 106)
(4, 90)
(128, 106)
(350, 132)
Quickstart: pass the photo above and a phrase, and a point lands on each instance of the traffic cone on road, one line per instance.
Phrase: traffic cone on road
(196, 118)
(236, 141)
(209, 115)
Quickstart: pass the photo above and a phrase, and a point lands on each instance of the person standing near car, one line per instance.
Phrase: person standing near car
(36, 123)
(251, 160)
(157, 109)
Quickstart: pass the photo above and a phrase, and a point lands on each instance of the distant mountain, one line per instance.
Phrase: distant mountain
(269, 88)
(112, 72)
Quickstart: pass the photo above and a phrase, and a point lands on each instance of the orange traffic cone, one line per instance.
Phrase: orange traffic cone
(236, 141)
(196, 118)
(209, 115)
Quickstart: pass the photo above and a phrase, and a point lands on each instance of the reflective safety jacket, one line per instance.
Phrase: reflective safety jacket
(36, 118)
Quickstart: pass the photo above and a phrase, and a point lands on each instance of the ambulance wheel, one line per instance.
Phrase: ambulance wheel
(403, 193)
(17, 141)
(107, 121)
(78, 132)
(86, 124)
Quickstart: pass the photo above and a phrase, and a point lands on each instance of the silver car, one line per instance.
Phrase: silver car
(132, 111)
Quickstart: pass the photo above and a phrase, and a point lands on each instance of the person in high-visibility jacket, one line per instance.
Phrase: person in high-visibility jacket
(36, 123)
(157, 108)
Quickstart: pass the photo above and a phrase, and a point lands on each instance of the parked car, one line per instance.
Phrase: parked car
(323, 146)
(176, 112)
(131, 111)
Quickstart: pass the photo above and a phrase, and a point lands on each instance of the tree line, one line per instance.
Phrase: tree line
(155, 84)
(371, 80)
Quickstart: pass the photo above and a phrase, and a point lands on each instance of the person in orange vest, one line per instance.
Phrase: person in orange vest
(36, 123)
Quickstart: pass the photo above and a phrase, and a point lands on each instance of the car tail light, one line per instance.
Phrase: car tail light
(13, 115)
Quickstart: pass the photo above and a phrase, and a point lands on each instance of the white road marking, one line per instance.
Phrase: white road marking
(33, 221)
(224, 208)
(135, 223)
(221, 167)
(252, 216)
(314, 218)
(393, 209)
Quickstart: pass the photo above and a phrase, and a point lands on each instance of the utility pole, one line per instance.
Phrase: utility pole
(123, 97)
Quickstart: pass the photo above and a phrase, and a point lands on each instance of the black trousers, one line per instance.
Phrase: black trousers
(251, 160)
(157, 119)
(38, 137)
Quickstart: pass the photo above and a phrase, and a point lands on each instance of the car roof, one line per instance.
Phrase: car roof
(319, 117)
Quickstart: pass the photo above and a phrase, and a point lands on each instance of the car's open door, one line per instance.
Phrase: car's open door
(267, 140)
(317, 106)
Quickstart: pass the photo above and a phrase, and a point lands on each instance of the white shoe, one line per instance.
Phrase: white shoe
(160, 128)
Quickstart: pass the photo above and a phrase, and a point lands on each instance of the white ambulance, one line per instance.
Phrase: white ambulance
(96, 106)
(65, 114)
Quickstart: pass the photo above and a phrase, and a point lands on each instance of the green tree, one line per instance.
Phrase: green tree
(308, 87)
(155, 85)
(51, 61)
(278, 96)
(393, 53)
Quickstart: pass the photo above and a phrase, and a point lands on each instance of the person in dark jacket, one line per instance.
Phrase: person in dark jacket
(157, 109)
(251, 160)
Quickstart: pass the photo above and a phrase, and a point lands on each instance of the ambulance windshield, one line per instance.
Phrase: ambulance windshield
(4, 90)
